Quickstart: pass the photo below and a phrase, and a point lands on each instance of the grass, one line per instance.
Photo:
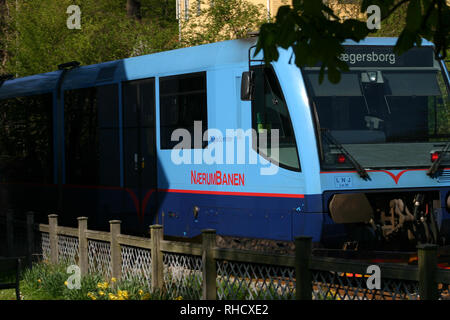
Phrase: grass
(8, 294)
(49, 282)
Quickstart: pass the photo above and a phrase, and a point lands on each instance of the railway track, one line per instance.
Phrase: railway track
(288, 248)
(329, 285)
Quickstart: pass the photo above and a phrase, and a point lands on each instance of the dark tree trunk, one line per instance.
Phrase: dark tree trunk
(165, 8)
(3, 54)
(134, 9)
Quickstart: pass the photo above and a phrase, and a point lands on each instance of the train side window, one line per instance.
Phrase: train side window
(92, 136)
(26, 139)
(269, 112)
(182, 101)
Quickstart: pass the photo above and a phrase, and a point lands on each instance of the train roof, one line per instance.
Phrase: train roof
(183, 60)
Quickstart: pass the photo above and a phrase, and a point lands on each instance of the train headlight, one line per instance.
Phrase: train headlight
(434, 156)
(372, 76)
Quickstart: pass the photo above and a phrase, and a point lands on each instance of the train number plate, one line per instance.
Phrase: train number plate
(343, 182)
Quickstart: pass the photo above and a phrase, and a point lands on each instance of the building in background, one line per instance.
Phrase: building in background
(196, 28)
(188, 9)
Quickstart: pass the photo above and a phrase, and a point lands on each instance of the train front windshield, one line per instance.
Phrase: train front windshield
(388, 111)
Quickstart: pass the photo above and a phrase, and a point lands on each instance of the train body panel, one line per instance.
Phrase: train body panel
(129, 169)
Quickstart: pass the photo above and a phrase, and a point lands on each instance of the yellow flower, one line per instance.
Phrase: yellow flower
(146, 296)
(122, 294)
(92, 296)
(39, 280)
(102, 293)
(179, 298)
(66, 283)
(141, 292)
(113, 279)
(112, 296)
(103, 285)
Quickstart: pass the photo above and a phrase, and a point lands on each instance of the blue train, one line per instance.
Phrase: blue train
(210, 137)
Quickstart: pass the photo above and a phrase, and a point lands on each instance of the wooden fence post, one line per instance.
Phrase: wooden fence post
(18, 269)
(156, 235)
(116, 255)
(303, 289)
(427, 254)
(83, 246)
(30, 237)
(209, 287)
(53, 237)
(10, 232)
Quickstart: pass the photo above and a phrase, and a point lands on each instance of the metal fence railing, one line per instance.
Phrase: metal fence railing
(329, 285)
(136, 264)
(68, 249)
(183, 275)
(99, 258)
(249, 281)
(205, 271)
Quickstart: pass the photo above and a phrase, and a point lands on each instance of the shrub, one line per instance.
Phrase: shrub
(45, 281)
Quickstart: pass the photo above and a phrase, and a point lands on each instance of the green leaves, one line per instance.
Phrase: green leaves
(414, 15)
(313, 36)
(316, 35)
(406, 41)
(289, 23)
(225, 20)
(39, 39)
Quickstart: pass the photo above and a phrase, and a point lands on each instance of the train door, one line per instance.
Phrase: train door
(139, 151)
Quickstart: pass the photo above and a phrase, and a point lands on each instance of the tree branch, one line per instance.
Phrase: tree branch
(394, 8)
(427, 14)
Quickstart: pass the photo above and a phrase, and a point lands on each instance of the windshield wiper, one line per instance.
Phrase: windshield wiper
(361, 171)
(435, 166)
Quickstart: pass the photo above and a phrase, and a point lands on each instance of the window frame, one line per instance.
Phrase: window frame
(114, 126)
(50, 175)
(162, 146)
(139, 126)
(253, 116)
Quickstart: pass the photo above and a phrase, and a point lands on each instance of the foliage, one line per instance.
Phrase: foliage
(3, 34)
(49, 282)
(394, 24)
(242, 289)
(39, 38)
(43, 282)
(8, 277)
(311, 26)
(225, 20)
(24, 139)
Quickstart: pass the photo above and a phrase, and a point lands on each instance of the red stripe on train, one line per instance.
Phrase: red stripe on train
(233, 193)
